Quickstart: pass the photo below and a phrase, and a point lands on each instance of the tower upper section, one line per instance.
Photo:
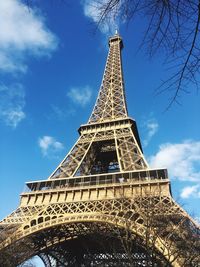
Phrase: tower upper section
(111, 102)
(109, 142)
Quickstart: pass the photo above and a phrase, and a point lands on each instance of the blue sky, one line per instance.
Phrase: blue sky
(51, 66)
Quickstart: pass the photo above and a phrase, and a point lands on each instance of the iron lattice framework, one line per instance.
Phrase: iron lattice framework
(103, 205)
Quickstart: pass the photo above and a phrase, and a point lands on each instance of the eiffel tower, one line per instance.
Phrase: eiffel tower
(103, 205)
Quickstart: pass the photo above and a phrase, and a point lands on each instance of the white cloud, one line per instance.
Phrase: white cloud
(151, 127)
(93, 10)
(190, 190)
(22, 33)
(182, 160)
(80, 96)
(12, 102)
(49, 145)
(197, 220)
(60, 112)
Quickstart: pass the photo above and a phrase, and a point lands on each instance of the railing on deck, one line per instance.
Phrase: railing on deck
(98, 179)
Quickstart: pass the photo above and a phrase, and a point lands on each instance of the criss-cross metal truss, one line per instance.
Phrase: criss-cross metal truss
(103, 205)
(110, 140)
(111, 103)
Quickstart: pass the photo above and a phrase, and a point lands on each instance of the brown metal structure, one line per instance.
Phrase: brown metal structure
(103, 205)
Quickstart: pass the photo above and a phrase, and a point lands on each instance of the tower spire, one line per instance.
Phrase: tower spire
(111, 102)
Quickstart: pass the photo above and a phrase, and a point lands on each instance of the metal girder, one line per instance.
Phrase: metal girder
(111, 103)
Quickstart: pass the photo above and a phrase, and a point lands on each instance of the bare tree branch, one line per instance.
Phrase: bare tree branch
(172, 26)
